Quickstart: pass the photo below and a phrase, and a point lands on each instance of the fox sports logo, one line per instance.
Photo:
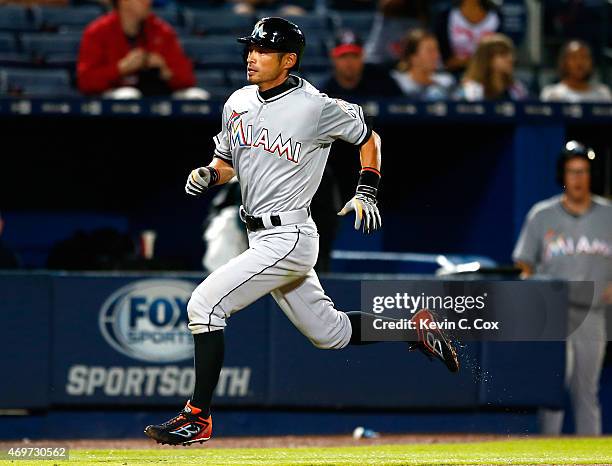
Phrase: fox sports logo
(147, 320)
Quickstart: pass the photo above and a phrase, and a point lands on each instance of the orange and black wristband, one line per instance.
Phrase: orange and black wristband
(214, 175)
(369, 178)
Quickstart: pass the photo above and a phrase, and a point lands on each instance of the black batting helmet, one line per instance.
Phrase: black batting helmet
(572, 150)
(277, 34)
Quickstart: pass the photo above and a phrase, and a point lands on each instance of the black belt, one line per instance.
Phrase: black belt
(256, 223)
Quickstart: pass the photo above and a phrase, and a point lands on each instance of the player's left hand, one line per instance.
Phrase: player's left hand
(366, 212)
(198, 181)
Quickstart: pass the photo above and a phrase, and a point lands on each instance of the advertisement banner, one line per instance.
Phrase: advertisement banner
(124, 340)
(25, 306)
(102, 340)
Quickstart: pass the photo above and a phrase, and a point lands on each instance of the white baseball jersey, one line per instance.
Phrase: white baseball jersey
(278, 142)
(279, 145)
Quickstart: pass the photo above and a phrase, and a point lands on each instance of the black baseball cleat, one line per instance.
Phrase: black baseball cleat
(432, 342)
(184, 429)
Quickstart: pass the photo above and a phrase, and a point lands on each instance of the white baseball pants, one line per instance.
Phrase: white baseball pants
(585, 352)
(279, 261)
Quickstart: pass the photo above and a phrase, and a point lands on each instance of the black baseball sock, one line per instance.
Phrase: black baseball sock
(355, 318)
(208, 360)
(358, 319)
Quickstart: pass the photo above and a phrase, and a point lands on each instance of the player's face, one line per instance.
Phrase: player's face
(349, 65)
(577, 179)
(578, 63)
(427, 56)
(265, 65)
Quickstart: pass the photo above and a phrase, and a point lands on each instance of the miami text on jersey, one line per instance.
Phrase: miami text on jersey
(561, 245)
(244, 138)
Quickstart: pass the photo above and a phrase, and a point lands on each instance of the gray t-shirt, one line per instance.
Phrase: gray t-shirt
(563, 93)
(439, 89)
(279, 146)
(561, 245)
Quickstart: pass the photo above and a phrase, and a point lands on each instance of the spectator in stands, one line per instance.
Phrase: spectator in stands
(131, 52)
(490, 75)
(8, 259)
(351, 76)
(460, 29)
(393, 19)
(575, 71)
(416, 72)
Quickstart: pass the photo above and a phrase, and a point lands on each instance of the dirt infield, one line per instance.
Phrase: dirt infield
(262, 442)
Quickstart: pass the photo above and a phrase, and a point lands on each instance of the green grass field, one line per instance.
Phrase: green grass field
(528, 451)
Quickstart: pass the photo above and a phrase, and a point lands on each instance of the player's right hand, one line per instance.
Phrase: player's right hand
(366, 212)
(198, 181)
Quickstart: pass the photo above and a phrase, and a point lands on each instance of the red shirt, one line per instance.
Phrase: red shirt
(104, 43)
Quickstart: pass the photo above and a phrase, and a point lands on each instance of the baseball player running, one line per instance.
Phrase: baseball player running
(275, 138)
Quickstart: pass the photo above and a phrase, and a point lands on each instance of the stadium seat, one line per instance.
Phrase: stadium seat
(308, 5)
(215, 82)
(214, 51)
(15, 18)
(237, 78)
(217, 21)
(8, 43)
(277, 8)
(52, 49)
(172, 16)
(204, 4)
(315, 55)
(9, 52)
(14, 59)
(211, 78)
(65, 18)
(358, 22)
(368, 6)
(35, 82)
(311, 22)
(316, 78)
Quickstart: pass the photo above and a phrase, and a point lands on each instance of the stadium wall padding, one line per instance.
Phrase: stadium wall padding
(69, 344)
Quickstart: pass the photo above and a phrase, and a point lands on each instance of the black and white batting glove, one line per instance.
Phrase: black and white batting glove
(364, 202)
(200, 179)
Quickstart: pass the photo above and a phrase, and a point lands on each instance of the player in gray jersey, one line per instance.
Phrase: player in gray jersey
(275, 137)
(570, 237)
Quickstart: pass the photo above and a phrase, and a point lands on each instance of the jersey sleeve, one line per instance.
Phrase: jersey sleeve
(527, 247)
(222, 147)
(342, 120)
